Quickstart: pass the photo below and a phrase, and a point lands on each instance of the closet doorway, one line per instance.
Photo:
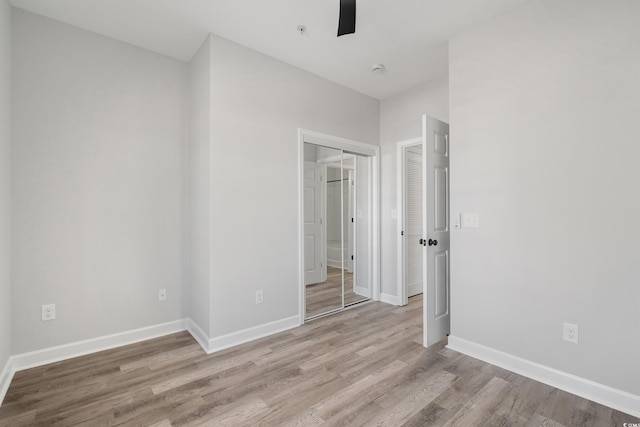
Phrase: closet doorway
(410, 218)
(337, 216)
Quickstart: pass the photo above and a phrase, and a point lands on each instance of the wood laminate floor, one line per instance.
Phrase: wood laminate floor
(364, 366)
(327, 296)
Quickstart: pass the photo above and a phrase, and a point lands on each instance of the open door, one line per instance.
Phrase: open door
(435, 146)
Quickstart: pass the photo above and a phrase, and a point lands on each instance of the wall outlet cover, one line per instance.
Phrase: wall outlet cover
(570, 332)
(48, 312)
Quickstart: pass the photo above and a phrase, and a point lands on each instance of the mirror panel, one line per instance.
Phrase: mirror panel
(323, 230)
(357, 287)
(337, 224)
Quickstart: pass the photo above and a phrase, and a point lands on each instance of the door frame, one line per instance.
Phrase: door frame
(400, 172)
(351, 146)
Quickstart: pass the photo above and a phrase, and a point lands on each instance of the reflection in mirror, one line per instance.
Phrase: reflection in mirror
(337, 229)
(322, 230)
(355, 175)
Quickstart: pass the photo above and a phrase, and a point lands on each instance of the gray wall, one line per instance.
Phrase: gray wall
(5, 182)
(97, 184)
(199, 187)
(401, 119)
(544, 113)
(258, 105)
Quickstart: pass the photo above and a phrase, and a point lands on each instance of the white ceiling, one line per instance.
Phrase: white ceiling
(408, 36)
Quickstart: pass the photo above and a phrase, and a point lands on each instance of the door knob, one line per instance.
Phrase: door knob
(433, 242)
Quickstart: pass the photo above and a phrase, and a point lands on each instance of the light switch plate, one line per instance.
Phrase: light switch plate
(457, 221)
(471, 220)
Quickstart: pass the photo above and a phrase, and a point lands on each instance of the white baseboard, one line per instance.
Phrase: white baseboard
(5, 378)
(199, 335)
(414, 289)
(93, 345)
(363, 292)
(45, 356)
(605, 395)
(250, 334)
(390, 299)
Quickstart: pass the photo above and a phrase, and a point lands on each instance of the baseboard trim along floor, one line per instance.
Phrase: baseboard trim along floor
(49, 355)
(45, 356)
(363, 366)
(600, 393)
(608, 396)
(240, 337)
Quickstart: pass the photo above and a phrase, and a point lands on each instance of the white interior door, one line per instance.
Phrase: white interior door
(313, 235)
(413, 221)
(436, 252)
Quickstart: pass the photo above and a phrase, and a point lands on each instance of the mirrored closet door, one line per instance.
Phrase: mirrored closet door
(335, 222)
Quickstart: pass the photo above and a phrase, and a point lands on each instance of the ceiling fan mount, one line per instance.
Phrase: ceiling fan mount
(347, 20)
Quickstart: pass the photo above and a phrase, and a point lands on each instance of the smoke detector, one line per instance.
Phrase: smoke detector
(377, 68)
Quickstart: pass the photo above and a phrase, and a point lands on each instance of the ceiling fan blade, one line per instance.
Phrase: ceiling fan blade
(347, 21)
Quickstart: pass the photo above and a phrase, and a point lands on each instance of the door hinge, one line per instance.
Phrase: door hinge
(351, 257)
(351, 219)
(402, 233)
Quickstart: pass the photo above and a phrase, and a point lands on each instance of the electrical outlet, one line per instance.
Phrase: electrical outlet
(570, 332)
(259, 297)
(48, 312)
(162, 294)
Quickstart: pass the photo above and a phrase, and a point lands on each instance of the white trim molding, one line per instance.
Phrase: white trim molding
(240, 337)
(390, 299)
(93, 345)
(45, 356)
(363, 292)
(199, 335)
(617, 399)
(5, 378)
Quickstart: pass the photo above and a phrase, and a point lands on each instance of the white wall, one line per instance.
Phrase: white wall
(199, 187)
(401, 119)
(97, 184)
(544, 112)
(5, 184)
(258, 105)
